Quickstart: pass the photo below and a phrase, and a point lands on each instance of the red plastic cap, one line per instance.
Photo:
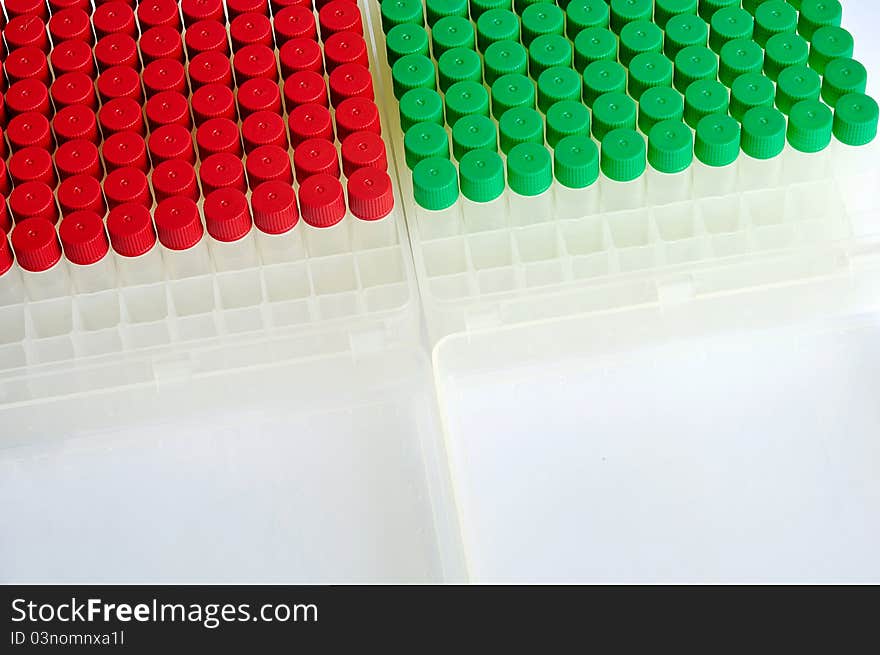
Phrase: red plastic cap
(370, 196)
(310, 122)
(171, 142)
(227, 214)
(76, 89)
(213, 101)
(114, 18)
(263, 128)
(161, 42)
(165, 75)
(72, 57)
(27, 8)
(251, 29)
(268, 163)
(340, 16)
(32, 164)
(175, 177)
(218, 135)
(36, 244)
(168, 108)
(33, 200)
(206, 36)
(345, 48)
(78, 157)
(363, 150)
(25, 63)
(357, 115)
(70, 25)
(121, 115)
(210, 67)
(198, 10)
(30, 129)
(24, 31)
(295, 22)
(300, 55)
(80, 193)
(222, 170)
(152, 13)
(127, 185)
(238, 7)
(350, 81)
(7, 259)
(313, 157)
(117, 50)
(125, 149)
(29, 95)
(254, 61)
(321, 201)
(304, 87)
(178, 223)
(279, 5)
(119, 82)
(274, 207)
(75, 122)
(84, 238)
(259, 95)
(131, 230)
(58, 5)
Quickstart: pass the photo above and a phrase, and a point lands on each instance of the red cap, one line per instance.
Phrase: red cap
(210, 67)
(227, 214)
(164, 75)
(114, 18)
(58, 5)
(84, 237)
(321, 201)
(121, 115)
(29, 95)
(213, 101)
(175, 177)
(80, 193)
(168, 108)
(370, 196)
(5, 218)
(300, 55)
(125, 149)
(220, 170)
(250, 29)
(72, 57)
(117, 50)
(310, 122)
(206, 36)
(345, 48)
(363, 150)
(152, 13)
(7, 259)
(350, 81)
(313, 157)
(218, 135)
(178, 223)
(70, 25)
(357, 115)
(162, 42)
(131, 230)
(171, 142)
(27, 8)
(127, 185)
(304, 87)
(120, 82)
(197, 10)
(75, 89)
(75, 122)
(23, 31)
(268, 163)
(32, 164)
(33, 200)
(30, 129)
(339, 16)
(36, 244)
(263, 128)
(27, 62)
(78, 157)
(259, 95)
(274, 207)
(295, 22)
(278, 5)
(254, 61)
(238, 7)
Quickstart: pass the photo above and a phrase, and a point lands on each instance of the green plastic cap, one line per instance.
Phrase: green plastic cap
(624, 155)
(626, 11)
(437, 9)
(718, 139)
(670, 146)
(529, 169)
(749, 91)
(405, 39)
(541, 18)
(782, 51)
(842, 77)
(648, 70)
(728, 24)
(774, 17)
(763, 132)
(520, 5)
(664, 10)
(818, 13)
(709, 7)
(705, 97)
(452, 32)
(594, 44)
(576, 162)
(397, 12)
(855, 119)
(810, 124)
(796, 83)
(830, 43)
(478, 7)
(739, 57)
(420, 106)
(424, 141)
(558, 83)
(567, 118)
(581, 14)
(504, 58)
(473, 132)
(685, 30)
(694, 63)
(466, 99)
(458, 65)
(659, 104)
(637, 37)
(547, 51)
(482, 175)
(752, 5)
(435, 184)
(497, 25)
(520, 125)
(413, 72)
(603, 77)
(613, 111)
(511, 91)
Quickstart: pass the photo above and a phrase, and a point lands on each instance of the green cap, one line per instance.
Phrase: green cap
(694, 63)
(435, 183)
(458, 65)
(473, 132)
(684, 30)
(855, 119)
(558, 83)
(796, 83)
(423, 141)
(547, 51)
(748, 91)
(729, 24)
(567, 118)
(478, 7)
(763, 132)
(581, 14)
(510, 91)
(413, 72)
(648, 70)
(541, 18)
(670, 146)
(842, 77)
(520, 5)
(465, 99)
(520, 125)
(782, 51)
(739, 57)
(576, 161)
(809, 126)
(752, 5)
(397, 12)
(420, 106)
(482, 175)
(452, 32)
(774, 17)
(829, 43)
(626, 11)
(497, 25)
(659, 104)
(406, 39)
(664, 10)
(437, 9)
(529, 169)
(717, 141)
(709, 7)
(603, 77)
(705, 97)
(594, 44)
(504, 58)
(818, 13)
(613, 111)
(637, 37)
(623, 155)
